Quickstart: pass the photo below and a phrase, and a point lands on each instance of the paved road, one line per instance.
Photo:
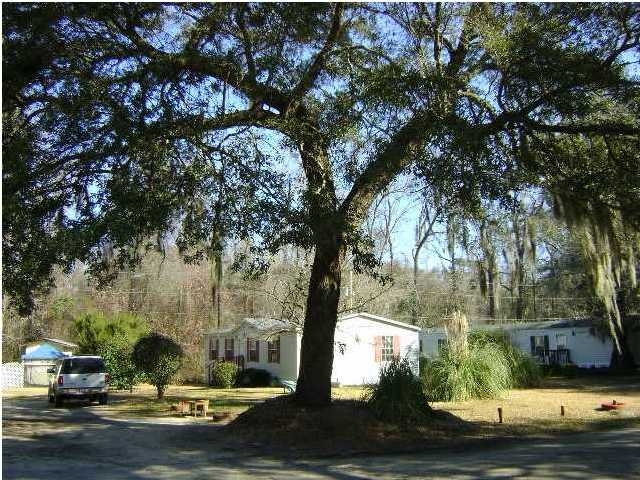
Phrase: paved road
(82, 442)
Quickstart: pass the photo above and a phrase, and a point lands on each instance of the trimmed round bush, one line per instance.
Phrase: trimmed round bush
(224, 374)
(398, 396)
(254, 377)
(159, 358)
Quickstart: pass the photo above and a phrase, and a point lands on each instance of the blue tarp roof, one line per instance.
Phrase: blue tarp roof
(44, 352)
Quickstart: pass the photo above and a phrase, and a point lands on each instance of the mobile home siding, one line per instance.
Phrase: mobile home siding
(289, 363)
(354, 357)
(586, 349)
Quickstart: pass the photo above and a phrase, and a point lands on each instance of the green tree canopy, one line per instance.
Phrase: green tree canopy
(93, 330)
(159, 358)
(140, 121)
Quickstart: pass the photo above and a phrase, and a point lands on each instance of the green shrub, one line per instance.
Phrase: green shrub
(481, 371)
(117, 357)
(254, 377)
(398, 396)
(224, 374)
(95, 329)
(159, 358)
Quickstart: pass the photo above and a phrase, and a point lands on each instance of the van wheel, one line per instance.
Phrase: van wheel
(58, 400)
(51, 399)
(102, 399)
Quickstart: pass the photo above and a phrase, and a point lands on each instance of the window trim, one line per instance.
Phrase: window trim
(226, 349)
(253, 358)
(214, 353)
(273, 350)
(386, 348)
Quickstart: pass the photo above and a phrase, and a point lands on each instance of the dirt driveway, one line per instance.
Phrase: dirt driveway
(85, 442)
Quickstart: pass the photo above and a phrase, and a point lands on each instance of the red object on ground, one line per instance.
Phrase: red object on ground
(612, 406)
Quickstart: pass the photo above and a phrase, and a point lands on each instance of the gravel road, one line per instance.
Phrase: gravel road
(83, 441)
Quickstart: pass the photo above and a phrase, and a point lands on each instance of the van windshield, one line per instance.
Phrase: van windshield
(83, 365)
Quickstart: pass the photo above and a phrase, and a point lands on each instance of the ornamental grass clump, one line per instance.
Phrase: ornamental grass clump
(464, 369)
(478, 372)
(398, 396)
(525, 371)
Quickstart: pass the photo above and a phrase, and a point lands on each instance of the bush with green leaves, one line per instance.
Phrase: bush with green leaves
(480, 371)
(254, 377)
(95, 328)
(398, 396)
(224, 374)
(116, 353)
(159, 358)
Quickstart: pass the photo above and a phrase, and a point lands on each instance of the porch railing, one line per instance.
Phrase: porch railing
(559, 356)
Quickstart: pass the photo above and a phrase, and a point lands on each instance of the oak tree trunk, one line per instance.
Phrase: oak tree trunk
(316, 362)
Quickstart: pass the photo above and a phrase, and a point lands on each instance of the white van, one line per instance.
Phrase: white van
(81, 377)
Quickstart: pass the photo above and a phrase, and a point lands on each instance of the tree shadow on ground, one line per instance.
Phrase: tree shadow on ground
(595, 383)
(88, 445)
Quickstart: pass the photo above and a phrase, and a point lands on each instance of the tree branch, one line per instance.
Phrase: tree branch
(604, 128)
(310, 76)
(397, 155)
(251, 66)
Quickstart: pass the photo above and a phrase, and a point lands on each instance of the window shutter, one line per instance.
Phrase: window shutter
(257, 350)
(248, 355)
(533, 344)
(396, 345)
(377, 348)
(546, 342)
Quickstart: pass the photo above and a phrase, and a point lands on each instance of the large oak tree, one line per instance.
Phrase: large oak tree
(127, 121)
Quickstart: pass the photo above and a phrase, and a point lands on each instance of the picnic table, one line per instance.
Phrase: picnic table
(193, 407)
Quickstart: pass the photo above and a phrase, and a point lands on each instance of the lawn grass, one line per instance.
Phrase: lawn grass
(525, 411)
(536, 410)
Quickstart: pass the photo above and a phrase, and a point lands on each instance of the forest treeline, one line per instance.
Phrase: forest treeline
(521, 265)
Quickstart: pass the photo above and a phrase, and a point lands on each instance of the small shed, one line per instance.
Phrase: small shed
(63, 345)
(37, 359)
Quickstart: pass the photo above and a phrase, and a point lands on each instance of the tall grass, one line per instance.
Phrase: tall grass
(398, 396)
(482, 371)
(525, 372)
(481, 364)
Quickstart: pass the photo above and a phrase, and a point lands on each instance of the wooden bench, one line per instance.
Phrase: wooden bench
(289, 386)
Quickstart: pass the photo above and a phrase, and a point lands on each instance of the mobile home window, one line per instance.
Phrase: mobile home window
(561, 340)
(228, 348)
(387, 349)
(252, 350)
(213, 348)
(274, 350)
(539, 342)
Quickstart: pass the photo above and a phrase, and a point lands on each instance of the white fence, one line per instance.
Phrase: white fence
(12, 375)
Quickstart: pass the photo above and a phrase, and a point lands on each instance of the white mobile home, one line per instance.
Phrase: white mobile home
(576, 341)
(363, 343)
